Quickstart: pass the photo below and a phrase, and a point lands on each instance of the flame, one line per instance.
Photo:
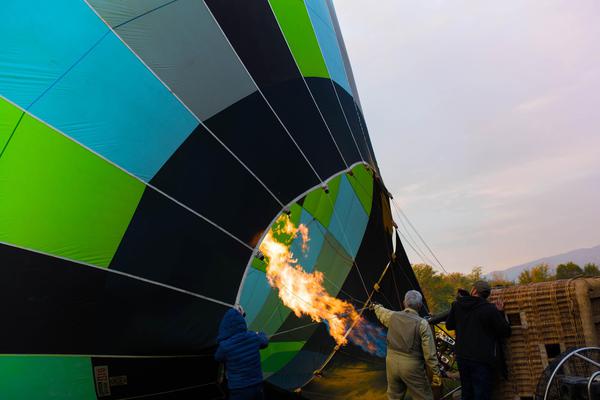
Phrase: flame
(305, 294)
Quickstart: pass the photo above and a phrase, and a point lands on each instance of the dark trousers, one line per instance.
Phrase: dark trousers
(255, 392)
(476, 379)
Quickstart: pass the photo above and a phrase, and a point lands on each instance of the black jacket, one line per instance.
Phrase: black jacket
(480, 329)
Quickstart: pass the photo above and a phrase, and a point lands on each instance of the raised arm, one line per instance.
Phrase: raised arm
(263, 340)
(383, 314)
(451, 319)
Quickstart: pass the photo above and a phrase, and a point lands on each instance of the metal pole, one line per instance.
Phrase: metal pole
(574, 352)
(587, 359)
(594, 375)
(450, 392)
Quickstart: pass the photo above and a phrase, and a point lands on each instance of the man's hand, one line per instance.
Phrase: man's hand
(436, 381)
(455, 376)
(499, 305)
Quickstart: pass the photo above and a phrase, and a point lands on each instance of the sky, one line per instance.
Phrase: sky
(485, 120)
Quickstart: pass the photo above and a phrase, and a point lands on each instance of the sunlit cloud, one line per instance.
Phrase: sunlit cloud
(484, 121)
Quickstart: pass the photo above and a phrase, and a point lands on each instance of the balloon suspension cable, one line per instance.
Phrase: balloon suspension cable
(376, 288)
(293, 329)
(401, 214)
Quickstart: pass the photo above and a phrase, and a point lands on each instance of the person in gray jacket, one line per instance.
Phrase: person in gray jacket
(410, 347)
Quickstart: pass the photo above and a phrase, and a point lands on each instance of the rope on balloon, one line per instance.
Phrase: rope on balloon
(343, 229)
(401, 214)
(332, 84)
(238, 159)
(308, 88)
(408, 239)
(376, 288)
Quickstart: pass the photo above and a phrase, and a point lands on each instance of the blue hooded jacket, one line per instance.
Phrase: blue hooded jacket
(238, 349)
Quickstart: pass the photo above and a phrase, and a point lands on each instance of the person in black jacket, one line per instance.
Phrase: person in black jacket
(480, 328)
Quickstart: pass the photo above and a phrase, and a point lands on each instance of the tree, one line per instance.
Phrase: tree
(458, 280)
(525, 277)
(539, 273)
(440, 289)
(591, 269)
(475, 275)
(568, 270)
(437, 291)
(499, 279)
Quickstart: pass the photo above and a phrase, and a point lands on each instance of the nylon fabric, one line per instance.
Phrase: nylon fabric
(189, 176)
(349, 219)
(343, 52)
(278, 354)
(183, 45)
(256, 37)
(296, 26)
(236, 126)
(320, 203)
(67, 68)
(167, 378)
(323, 28)
(85, 210)
(85, 310)
(44, 375)
(325, 96)
(147, 146)
(334, 263)
(358, 131)
(33, 35)
(113, 104)
(362, 183)
(10, 117)
(166, 243)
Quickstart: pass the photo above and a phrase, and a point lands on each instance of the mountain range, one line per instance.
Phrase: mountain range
(579, 257)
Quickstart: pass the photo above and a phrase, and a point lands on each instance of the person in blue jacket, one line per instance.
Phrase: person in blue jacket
(239, 350)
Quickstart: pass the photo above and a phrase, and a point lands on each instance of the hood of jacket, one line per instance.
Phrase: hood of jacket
(233, 322)
(469, 303)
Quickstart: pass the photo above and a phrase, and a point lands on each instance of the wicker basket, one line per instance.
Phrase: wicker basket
(546, 318)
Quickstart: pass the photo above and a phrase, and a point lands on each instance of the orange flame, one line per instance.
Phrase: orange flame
(304, 292)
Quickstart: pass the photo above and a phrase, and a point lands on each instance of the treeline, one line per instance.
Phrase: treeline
(541, 272)
(440, 289)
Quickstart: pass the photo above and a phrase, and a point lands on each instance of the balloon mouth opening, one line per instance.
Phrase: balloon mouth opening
(305, 293)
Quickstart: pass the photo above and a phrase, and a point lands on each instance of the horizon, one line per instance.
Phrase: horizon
(540, 259)
(527, 264)
(484, 124)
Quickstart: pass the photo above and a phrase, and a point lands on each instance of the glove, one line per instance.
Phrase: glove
(436, 381)
(240, 309)
(373, 306)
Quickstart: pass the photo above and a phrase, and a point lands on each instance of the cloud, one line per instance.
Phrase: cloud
(499, 205)
(484, 121)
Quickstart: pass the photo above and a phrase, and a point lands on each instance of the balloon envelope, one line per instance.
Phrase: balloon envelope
(145, 149)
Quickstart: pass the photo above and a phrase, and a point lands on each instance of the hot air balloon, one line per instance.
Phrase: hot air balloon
(146, 149)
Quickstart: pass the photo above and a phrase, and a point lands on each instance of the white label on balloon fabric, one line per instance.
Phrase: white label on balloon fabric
(120, 380)
(102, 381)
